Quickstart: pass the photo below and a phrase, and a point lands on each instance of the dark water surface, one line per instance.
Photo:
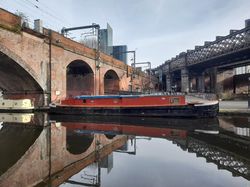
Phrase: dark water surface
(42, 150)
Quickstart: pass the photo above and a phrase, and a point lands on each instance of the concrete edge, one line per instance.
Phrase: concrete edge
(242, 112)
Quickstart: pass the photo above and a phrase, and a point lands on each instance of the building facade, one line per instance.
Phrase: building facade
(119, 52)
(106, 40)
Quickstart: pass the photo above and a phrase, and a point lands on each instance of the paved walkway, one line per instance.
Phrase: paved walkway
(227, 107)
(233, 105)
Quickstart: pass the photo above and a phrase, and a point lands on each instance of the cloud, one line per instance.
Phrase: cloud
(160, 29)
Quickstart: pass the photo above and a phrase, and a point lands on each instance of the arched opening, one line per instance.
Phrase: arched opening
(111, 83)
(17, 83)
(78, 143)
(176, 81)
(110, 136)
(80, 79)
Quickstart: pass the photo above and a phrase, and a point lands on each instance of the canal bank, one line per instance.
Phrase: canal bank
(232, 107)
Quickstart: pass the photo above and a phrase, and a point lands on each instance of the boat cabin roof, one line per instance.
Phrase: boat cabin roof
(105, 96)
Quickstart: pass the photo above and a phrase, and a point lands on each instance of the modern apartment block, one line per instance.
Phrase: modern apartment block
(119, 52)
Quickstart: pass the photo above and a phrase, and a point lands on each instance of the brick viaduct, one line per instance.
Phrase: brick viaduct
(49, 67)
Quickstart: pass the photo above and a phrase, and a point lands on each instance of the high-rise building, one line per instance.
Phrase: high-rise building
(106, 40)
(106, 45)
(119, 52)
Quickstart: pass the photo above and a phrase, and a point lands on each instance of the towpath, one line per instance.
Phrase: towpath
(227, 107)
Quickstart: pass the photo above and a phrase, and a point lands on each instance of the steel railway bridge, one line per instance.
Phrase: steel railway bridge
(201, 69)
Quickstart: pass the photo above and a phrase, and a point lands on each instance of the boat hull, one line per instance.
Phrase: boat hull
(17, 110)
(199, 111)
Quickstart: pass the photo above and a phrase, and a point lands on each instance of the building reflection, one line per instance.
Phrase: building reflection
(212, 139)
(35, 151)
(48, 153)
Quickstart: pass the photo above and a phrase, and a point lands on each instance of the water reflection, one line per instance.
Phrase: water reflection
(14, 142)
(73, 150)
(237, 125)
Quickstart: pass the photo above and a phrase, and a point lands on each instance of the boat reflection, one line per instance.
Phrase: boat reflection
(51, 153)
(207, 138)
(47, 154)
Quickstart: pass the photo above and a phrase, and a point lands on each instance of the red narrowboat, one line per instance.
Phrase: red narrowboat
(135, 105)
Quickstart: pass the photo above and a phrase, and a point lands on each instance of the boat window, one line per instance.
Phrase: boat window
(84, 101)
(175, 133)
(174, 100)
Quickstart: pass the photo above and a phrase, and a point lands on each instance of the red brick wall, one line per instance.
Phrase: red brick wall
(9, 20)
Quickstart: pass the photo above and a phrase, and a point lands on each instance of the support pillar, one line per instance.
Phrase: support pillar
(201, 83)
(213, 80)
(184, 80)
(168, 82)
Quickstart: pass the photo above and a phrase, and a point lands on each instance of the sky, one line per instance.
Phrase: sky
(157, 29)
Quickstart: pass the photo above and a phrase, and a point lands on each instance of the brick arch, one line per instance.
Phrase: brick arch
(18, 80)
(21, 63)
(85, 61)
(111, 82)
(79, 78)
(111, 70)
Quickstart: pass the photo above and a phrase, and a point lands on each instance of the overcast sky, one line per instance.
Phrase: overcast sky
(156, 29)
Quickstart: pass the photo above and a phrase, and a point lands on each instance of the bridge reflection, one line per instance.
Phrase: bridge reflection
(51, 153)
(47, 154)
(212, 139)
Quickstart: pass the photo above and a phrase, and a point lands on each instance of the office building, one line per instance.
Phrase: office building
(106, 40)
(119, 52)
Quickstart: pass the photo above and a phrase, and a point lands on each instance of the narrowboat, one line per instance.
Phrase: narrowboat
(135, 105)
(16, 105)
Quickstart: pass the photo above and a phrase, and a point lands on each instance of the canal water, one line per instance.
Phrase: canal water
(42, 150)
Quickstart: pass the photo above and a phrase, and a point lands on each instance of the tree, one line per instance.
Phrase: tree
(24, 18)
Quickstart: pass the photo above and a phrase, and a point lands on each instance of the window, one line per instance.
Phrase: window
(174, 100)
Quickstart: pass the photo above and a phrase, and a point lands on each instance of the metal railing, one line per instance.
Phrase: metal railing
(236, 41)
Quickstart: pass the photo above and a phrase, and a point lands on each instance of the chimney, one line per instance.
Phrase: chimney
(38, 25)
(25, 24)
